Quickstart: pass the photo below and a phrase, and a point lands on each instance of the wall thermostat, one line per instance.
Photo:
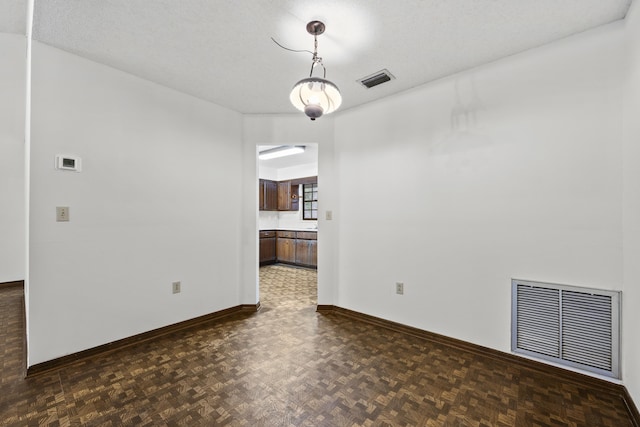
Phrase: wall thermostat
(68, 163)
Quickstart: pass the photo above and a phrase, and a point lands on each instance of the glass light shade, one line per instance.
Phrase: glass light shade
(315, 97)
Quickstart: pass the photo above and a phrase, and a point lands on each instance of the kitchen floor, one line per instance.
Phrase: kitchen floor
(288, 365)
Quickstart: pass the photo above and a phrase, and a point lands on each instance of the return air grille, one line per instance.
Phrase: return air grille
(577, 327)
(376, 79)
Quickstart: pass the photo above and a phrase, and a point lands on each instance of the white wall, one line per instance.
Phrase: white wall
(12, 115)
(631, 212)
(510, 170)
(290, 129)
(267, 173)
(298, 171)
(157, 201)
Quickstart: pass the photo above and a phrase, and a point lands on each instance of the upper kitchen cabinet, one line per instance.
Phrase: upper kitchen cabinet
(287, 196)
(268, 195)
(284, 195)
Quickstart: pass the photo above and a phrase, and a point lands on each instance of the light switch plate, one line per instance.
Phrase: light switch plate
(328, 215)
(62, 213)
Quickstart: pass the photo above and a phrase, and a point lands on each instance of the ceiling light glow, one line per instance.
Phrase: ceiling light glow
(282, 151)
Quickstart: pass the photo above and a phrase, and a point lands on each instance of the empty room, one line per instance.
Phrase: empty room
(320, 213)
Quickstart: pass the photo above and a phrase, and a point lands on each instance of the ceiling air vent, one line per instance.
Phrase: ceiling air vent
(376, 79)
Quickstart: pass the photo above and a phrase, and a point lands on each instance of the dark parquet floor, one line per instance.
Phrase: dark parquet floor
(287, 365)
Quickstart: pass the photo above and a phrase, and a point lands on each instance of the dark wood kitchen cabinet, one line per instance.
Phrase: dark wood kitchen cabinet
(286, 247)
(267, 247)
(278, 195)
(307, 249)
(268, 191)
(287, 196)
(295, 200)
(284, 195)
(297, 248)
(289, 247)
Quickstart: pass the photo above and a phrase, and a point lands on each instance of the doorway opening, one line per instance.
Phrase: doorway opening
(288, 225)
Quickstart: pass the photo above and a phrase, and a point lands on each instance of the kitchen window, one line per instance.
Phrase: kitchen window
(310, 201)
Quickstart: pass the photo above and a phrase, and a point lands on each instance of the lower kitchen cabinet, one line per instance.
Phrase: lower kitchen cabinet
(297, 248)
(307, 248)
(307, 253)
(286, 247)
(267, 247)
(289, 247)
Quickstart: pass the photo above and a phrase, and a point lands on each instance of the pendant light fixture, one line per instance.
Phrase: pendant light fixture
(316, 96)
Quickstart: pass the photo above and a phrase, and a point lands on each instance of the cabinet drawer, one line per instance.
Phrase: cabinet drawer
(270, 233)
(307, 235)
(287, 234)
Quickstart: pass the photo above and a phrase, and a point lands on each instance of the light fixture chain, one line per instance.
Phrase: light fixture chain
(316, 59)
(315, 46)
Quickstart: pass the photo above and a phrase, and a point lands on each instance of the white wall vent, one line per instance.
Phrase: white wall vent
(568, 325)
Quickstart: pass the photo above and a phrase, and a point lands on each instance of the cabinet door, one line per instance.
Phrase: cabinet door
(295, 201)
(272, 195)
(261, 192)
(268, 195)
(313, 253)
(286, 250)
(267, 250)
(301, 252)
(307, 252)
(284, 195)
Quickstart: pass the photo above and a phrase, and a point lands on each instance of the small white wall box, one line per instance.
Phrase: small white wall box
(68, 163)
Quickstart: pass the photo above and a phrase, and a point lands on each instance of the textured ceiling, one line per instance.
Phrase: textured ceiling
(221, 51)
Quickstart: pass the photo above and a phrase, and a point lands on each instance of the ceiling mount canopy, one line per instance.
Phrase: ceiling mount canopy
(315, 28)
(316, 96)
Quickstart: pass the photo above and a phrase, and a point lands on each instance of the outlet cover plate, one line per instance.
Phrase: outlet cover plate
(62, 213)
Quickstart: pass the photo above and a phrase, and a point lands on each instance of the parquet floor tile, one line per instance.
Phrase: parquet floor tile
(287, 365)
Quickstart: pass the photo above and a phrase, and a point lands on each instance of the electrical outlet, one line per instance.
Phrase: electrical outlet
(175, 286)
(62, 213)
(399, 288)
